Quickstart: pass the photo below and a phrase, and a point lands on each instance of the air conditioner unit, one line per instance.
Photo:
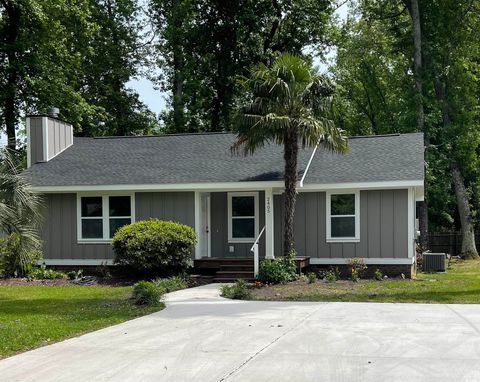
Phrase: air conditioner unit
(433, 262)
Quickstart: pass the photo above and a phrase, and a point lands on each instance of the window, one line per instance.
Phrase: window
(101, 216)
(242, 217)
(343, 217)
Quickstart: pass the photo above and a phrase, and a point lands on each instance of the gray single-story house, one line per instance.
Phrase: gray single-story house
(361, 204)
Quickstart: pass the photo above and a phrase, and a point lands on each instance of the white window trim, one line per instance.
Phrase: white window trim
(231, 239)
(329, 237)
(105, 216)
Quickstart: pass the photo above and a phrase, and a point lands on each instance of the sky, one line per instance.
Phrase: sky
(156, 100)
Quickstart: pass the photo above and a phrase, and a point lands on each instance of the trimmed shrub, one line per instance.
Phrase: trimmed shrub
(155, 246)
(147, 293)
(279, 270)
(172, 284)
(15, 260)
(237, 291)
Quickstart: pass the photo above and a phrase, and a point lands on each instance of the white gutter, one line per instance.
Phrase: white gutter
(308, 166)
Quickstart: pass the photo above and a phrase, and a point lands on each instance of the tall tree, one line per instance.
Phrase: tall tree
(289, 105)
(430, 55)
(204, 46)
(76, 55)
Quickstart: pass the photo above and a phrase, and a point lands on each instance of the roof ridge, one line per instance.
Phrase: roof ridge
(161, 135)
(381, 135)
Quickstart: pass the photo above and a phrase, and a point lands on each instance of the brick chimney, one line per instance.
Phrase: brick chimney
(47, 136)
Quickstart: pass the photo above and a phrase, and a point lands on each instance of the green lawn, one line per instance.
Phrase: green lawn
(459, 284)
(32, 316)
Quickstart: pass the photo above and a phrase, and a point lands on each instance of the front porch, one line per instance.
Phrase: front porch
(228, 269)
(228, 223)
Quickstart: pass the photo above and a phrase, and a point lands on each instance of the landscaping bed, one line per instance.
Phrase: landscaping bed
(459, 284)
(35, 315)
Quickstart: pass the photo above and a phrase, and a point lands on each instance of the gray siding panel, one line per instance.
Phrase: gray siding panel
(383, 226)
(59, 232)
(36, 139)
(175, 206)
(219, 228)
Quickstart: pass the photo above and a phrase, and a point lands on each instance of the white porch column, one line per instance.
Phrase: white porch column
(269, 239)
(198, 226)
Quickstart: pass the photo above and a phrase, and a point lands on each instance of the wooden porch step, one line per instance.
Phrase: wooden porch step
(236, 267)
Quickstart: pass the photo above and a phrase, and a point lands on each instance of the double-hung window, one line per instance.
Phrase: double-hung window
(101, 216)
(343, 216)
(242, 217)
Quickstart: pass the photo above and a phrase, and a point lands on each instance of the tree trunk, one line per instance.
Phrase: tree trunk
(414, 11)
(12, 30)
(178, 103)
(290, 155)
(469, 249)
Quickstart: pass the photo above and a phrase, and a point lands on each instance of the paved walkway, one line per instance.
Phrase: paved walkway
(202, 337)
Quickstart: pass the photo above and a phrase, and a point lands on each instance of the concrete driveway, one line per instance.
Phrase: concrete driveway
(202, 337)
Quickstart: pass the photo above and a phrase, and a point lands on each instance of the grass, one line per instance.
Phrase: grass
(460, 284)
(33, 316)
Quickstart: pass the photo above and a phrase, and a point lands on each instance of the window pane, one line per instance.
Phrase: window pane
(243, 228)
(243, 206)
(92, 206)
(92, 229)
(115, 224)
(343, 227)
(343, 204)
(119, 205)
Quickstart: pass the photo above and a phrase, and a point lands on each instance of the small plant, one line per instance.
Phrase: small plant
(147, 293)
(280, 270)
(172, 284)
(73, 275)
(312, 278)
(378, 275)
(237, 291)
(357, 267)
(331, 275)
(103, 270)
(44, 273)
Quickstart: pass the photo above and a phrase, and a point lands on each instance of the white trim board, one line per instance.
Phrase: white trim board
(368, 261)
(228, 186)
(363, 185)
(74, 262)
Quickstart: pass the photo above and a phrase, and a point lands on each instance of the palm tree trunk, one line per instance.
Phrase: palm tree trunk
(290, 155)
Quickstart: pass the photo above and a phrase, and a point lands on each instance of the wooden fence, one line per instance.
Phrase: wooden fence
(448, 242)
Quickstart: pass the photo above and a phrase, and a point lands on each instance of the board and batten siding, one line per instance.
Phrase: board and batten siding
(59, 230)
(383, 226)
(219, 228)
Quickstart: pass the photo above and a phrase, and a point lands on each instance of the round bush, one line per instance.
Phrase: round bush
(147, 293)
(155, 246)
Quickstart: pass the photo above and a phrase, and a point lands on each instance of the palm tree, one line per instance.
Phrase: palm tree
(290, 105)
(19, 210)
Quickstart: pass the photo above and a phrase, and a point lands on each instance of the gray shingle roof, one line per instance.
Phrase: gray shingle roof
(168, 159)
(205, 158)
(371, 159)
